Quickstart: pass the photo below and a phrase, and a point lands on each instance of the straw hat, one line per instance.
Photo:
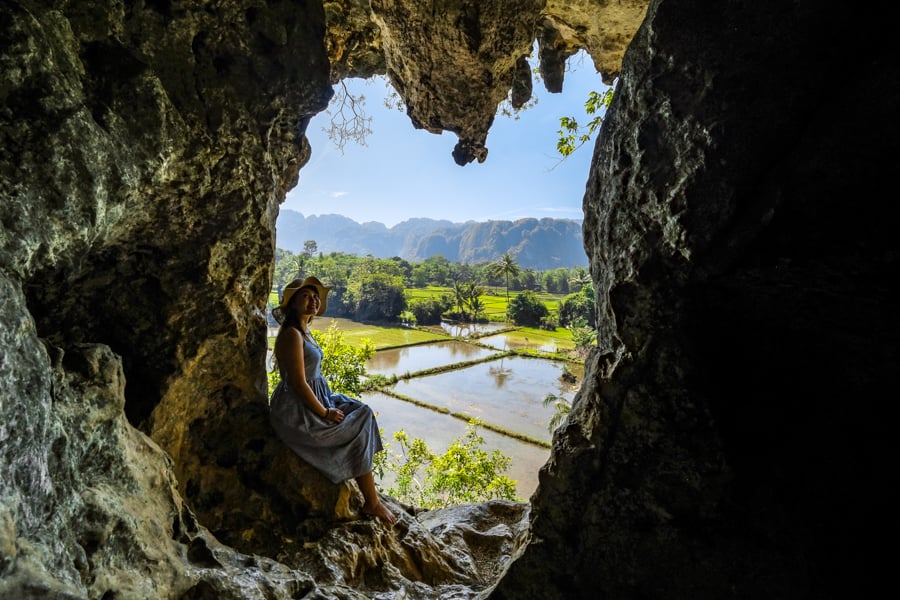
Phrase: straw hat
(289, 290)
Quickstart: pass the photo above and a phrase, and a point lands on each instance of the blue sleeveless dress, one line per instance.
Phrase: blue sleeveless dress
(340, 451)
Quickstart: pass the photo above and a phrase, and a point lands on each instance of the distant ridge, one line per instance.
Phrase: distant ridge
(538, 244)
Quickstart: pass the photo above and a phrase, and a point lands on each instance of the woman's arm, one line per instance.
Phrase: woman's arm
(289, 352)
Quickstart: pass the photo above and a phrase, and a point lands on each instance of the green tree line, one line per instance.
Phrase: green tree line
(375, 289)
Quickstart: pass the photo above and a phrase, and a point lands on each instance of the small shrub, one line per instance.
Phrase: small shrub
(427, 311)
(577, 307)
(549, 323)
(464, 473)
(527, 309)
(343, 364)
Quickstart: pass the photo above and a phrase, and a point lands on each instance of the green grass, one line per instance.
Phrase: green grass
(383, 336)
(494, 300)
(532, 335)
(432, 291)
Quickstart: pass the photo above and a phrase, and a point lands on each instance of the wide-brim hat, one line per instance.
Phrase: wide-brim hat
(296, 285)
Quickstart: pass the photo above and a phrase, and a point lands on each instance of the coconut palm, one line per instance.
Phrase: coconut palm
(476, 304)
(562, 408)
(460, 296)
(505, 266)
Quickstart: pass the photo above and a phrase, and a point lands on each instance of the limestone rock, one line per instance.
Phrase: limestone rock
(454, 63)
(603, 28)
(730, 438)
(710, 446)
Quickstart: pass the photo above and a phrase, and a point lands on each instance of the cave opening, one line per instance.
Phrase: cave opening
(371, 169)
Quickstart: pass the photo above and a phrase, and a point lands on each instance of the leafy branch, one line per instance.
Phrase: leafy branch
(573, 135)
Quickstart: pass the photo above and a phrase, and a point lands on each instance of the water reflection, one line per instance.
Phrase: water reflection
(439, 430)
(499, 373)
(501, 341)
(518, 406)
(427, 356)
(467, 329)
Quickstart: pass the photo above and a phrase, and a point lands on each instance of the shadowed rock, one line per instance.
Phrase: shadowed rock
(729, 439)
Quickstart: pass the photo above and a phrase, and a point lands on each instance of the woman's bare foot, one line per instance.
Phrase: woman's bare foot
(380, 511)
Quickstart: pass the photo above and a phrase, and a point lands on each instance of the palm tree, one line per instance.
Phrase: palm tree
(562, 408)
(580, 277)
(475, 301)
(460, 295)
(506, 265)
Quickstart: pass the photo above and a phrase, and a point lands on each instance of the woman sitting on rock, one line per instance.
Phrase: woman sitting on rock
(336, 434)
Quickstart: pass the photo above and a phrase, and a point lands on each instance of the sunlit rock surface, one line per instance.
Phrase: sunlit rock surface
(603, 28)
(453, 62)
(730, 438)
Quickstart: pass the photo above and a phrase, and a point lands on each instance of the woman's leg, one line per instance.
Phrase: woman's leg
(373, 505)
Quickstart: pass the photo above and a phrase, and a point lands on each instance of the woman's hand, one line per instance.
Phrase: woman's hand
(335, 415)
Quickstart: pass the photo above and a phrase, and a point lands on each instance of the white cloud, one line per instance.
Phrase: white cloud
(338, 194)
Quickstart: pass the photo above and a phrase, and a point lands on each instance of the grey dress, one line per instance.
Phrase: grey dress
(340, 451)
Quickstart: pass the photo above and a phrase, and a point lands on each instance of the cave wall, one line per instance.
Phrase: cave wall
(729, 439)
(145, 149)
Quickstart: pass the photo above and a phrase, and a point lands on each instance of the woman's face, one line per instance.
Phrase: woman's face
(306, 301)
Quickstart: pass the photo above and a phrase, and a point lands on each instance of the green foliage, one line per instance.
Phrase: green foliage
(580, 278)
(464, 473)
(376, 381)
(467, 299)
(460, 294)
(561, 408)
(476, 304)
(578, 308)
(573, 135)
(310, 248)
(506, 266)
(556, 281)
(376, 291)
(549, 323)
(274, 378)
(527, 309)
(427, 311)
(437, 269)
(408, 485)
(584, 336)
(343, 365)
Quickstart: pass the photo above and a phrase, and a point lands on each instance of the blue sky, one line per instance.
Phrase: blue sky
(403, 172)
